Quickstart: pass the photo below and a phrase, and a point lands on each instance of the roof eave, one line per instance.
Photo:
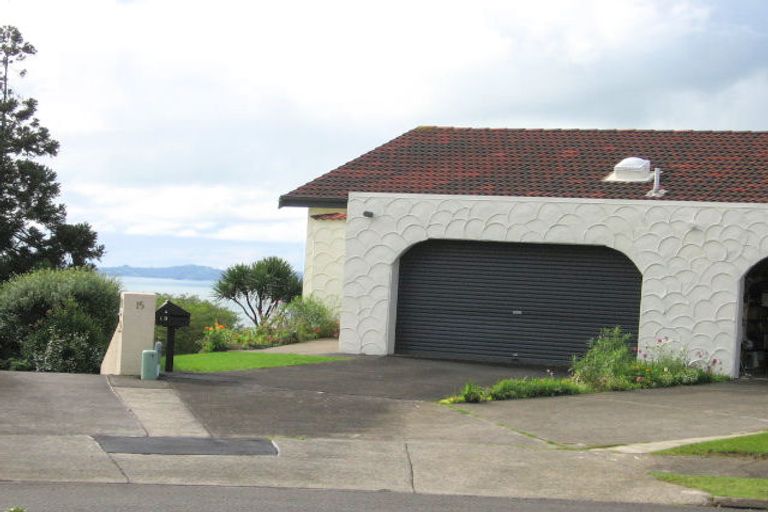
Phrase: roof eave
(312, 202)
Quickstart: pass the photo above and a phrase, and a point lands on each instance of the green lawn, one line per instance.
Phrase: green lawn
(728, 486)
(231, 361)
(755, 445)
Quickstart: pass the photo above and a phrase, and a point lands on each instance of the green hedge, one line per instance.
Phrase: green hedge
(57, 320)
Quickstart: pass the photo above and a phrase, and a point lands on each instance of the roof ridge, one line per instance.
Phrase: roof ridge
(590, 130)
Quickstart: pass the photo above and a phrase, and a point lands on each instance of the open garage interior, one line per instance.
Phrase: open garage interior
(508, 302)
(754, 343)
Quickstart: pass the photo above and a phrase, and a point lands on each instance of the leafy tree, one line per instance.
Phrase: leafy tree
(33, 228)
(260, 287)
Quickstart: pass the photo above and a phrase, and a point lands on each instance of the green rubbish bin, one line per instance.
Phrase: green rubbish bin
(150, 364)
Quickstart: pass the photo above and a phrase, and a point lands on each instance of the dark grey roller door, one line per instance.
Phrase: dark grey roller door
(506, 302)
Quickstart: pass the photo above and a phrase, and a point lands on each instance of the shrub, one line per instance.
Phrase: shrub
(216, 339)
(310, 318)
(69, 353)
(265, 335)
(664, 365)
(303, 319)
(203, 313)
(607, 363)
(75, 311)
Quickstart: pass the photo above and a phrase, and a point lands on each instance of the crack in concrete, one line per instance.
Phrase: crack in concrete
(127, 407)
(191, 412)
(547, 442)
(120, 469)
(410, 475)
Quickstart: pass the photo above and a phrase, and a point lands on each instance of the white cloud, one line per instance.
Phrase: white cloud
(741, 105)
(217, 212)
(196, 115)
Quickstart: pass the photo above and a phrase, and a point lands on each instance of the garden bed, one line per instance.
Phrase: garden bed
(609, 365)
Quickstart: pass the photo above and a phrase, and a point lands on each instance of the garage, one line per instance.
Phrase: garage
(511, 302)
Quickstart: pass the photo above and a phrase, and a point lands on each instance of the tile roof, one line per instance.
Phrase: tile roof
(697, 165)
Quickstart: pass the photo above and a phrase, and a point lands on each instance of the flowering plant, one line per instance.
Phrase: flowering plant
(216, 338)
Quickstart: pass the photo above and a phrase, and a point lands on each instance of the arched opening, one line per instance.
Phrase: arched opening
(754, 322)
(509, 302)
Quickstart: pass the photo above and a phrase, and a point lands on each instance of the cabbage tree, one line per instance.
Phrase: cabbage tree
(259, 288)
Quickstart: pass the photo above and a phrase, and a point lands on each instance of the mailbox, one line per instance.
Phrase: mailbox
(171, 316)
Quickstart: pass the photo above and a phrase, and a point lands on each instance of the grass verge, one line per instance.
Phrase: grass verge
(755, 445)
(232, 361)
(726, 486)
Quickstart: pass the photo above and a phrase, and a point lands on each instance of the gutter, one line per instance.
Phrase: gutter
(312, 202)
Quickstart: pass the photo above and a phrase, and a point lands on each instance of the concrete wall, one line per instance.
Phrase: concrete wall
(324, 258)
(134, 333)
(692, 256)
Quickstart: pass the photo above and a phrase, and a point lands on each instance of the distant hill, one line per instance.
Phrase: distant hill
(190, 272)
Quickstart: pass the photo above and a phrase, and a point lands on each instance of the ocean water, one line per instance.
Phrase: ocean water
(203, 289)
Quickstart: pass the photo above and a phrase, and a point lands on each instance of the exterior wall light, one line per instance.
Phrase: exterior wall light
(368, 213)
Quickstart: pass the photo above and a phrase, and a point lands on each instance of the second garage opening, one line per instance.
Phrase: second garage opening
(512, 302)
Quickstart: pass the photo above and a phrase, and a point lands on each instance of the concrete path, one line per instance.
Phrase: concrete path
(384, 408)
(364, 424)
(321, 347)
(606, 419)
(157, 407)
(58, 404)
(745, 467)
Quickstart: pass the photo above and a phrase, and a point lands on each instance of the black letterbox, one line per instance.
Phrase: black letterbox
(171, 315)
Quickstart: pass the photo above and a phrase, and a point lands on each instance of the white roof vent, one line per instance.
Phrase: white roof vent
(631, 169)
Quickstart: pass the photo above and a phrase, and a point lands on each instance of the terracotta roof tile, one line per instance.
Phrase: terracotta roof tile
(697, 165)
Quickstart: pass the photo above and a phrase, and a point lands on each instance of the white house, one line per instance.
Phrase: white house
(519, 245)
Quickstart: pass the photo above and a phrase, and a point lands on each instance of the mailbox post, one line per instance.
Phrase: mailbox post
(171, 316)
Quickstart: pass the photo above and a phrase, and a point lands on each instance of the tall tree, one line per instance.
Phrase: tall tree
(259, 288)
(33, 228)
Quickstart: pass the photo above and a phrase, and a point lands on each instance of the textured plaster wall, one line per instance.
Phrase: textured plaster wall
(324, 258)
(692, 256)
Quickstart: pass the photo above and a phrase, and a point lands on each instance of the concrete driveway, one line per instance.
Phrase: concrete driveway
(61, 404)
(643, 416)
(365, 423)
(364, 397)
(395, 398)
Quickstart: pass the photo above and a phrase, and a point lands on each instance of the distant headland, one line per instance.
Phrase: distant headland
(186, 272)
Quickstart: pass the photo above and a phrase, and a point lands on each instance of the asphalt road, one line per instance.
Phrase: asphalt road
(50, 497)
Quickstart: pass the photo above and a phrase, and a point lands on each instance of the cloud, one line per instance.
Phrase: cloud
(187, 119)
(159, 251)
(190, 211)
(740, 105)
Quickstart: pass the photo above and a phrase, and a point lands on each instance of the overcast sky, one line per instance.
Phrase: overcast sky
(181, 122)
